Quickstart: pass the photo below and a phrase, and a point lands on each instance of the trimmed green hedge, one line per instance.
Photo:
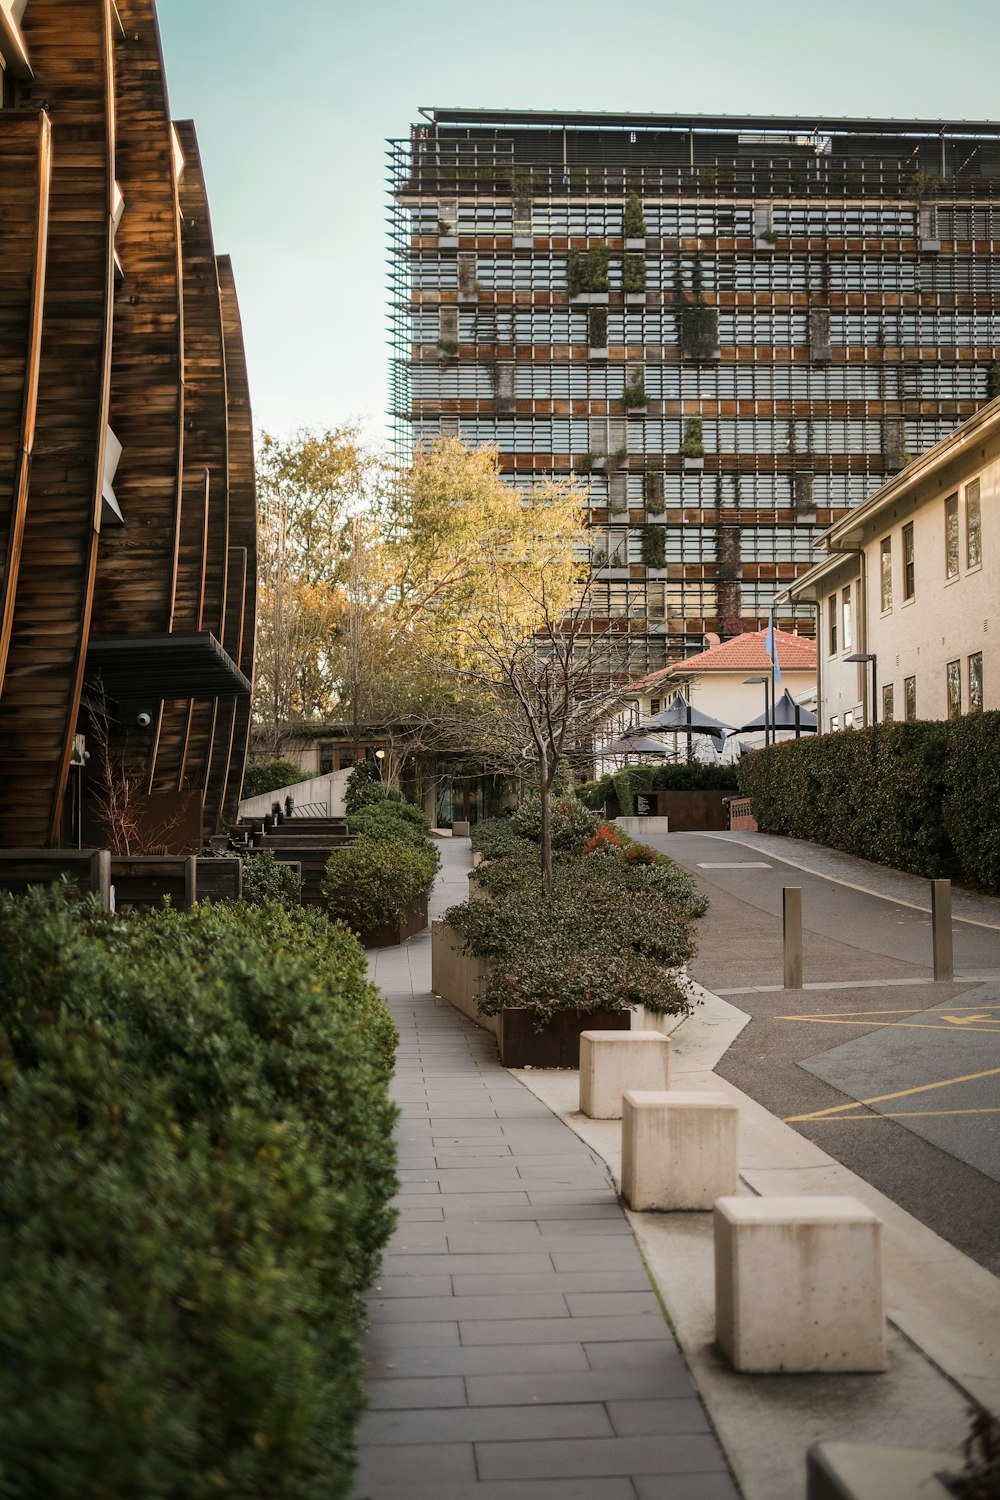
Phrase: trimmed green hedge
(922, 797)
(263, 776)
(195, 1173)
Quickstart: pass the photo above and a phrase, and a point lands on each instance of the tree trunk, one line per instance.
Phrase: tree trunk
(545, 791)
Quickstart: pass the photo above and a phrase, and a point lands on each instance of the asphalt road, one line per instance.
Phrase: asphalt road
(892, 1074)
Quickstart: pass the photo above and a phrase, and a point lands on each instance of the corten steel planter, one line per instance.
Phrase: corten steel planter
(412, 920)
(557, 1044)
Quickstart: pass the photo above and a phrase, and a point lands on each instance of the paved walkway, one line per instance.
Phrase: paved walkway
(517, 1350)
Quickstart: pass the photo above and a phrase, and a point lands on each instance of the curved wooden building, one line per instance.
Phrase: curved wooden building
(127, 501)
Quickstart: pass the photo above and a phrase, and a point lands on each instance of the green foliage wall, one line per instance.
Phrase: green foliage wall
(195, 1173)
(922, 797)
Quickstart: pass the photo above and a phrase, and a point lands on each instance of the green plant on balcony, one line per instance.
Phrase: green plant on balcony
(633, 223)
(693, 445)
(634, 394)
(587, 271)
(617, 459)
(995, 379)
(585, 463)
(699, 331)
(597, 327)
(448, 349)
(769, 236)
(653, 546)
(634, 273)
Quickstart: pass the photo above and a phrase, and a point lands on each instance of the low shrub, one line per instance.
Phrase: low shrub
(365, 787)
(368, 884)
(266, 879)
(195, 1172)
(497, 838)
(971, 803)
(263, 776)
(570, 822)
(377, 820)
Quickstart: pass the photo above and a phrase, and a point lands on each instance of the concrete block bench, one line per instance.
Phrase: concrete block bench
(679, 1150)
(613, 1061)
(798, 1284)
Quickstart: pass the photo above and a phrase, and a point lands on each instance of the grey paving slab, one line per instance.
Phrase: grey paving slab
(686, 1487)
(558, 1458)
(630, 1387)
(420, 1394)
(390, 1362)
(482, 1423)
(515, 1349)
(519, 1489)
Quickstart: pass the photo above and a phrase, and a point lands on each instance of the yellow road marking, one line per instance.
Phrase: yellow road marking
(856, 1020)
(904, 1114)
(924, 1088)
(965, 1020)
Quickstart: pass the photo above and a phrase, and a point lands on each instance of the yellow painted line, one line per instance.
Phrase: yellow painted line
(923, 1088)
(905, 1114)
(993, 1030)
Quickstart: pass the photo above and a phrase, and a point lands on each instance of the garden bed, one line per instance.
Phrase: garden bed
(460, 978)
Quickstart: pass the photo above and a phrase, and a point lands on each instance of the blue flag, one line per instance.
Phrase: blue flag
(771, 647)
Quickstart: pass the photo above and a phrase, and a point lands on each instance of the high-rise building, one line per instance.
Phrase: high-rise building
(732, 329)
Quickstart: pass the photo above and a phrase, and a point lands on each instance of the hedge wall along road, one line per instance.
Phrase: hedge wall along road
(195, 1168)
(922, 797)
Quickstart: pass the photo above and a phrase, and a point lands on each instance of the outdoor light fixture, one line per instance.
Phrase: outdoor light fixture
(869, 656)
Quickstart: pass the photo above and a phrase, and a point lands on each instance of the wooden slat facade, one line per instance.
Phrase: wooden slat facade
(69, 44)
(242, 597)
(140, 351)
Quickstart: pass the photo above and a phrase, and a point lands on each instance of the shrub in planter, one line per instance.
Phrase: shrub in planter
(266, 879)
(195, 1168)
(614, 933)
(368, 885)
(971, 807)
(376, 820)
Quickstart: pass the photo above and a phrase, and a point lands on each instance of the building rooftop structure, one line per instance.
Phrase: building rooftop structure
(731, 329)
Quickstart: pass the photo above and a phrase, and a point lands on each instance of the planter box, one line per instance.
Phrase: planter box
(412, 921)
(686, 812)
(460, 978)
(447, 241)
(692, 464)
(635, 299)
(595, 352)
(590, 299)
(635, 244)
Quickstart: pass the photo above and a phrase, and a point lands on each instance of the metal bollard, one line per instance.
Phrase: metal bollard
(791, 921)
(944, 956)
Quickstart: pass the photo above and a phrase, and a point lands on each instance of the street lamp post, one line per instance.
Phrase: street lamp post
(768, 707)
(869, 656)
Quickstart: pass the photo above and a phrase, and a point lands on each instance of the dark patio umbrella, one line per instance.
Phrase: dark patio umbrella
(636, 744)
(680, 718)
(786, 714)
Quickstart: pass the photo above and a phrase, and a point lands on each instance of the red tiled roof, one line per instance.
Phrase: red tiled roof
(743, 653)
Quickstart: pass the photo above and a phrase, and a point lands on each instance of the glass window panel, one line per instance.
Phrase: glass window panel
(976, 683)
(973, 526)
(951, 536)
(909, 698)
(885, 573)
(953, 673)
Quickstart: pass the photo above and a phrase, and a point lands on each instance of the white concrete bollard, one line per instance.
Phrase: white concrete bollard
(679, 1150)
(798, 1284)
(613, 1061)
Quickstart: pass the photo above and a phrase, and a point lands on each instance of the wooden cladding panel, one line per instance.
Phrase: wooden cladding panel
(25, 149)
(203, 535)
(69, 42)
(135, 567)
(242, 527)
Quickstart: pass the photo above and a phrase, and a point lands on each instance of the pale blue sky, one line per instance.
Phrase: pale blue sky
(293, 100)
